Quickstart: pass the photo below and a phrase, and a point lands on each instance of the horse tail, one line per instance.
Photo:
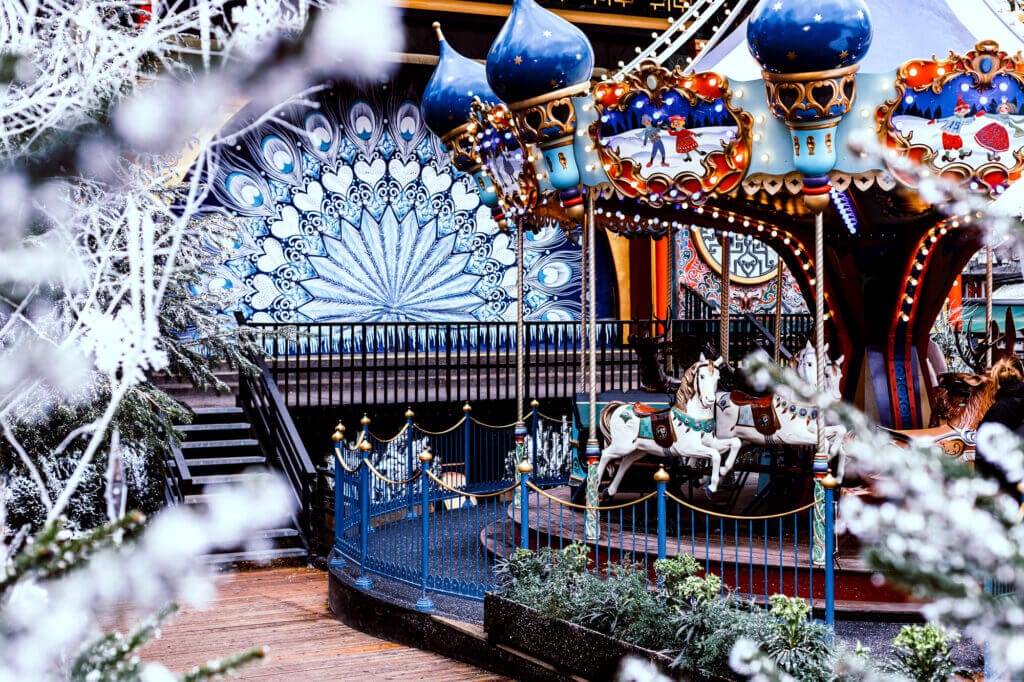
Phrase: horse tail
(606, 418)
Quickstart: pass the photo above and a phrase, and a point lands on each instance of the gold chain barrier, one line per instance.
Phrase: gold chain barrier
(732, 517)
(584, 507)
(497, 427)
(345, 466)
(373, 470)
(440, 433)
(463, 493)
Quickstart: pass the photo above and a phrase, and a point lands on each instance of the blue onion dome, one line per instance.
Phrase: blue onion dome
(798, 36)
(456, 81)
(537, 52)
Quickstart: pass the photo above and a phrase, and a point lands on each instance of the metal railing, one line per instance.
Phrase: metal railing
(436, 510)
(278, 439)
(367, 363)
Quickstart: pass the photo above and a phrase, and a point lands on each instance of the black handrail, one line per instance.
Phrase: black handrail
(278, 438)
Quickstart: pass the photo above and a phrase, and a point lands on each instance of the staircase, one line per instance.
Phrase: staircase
(220, 448)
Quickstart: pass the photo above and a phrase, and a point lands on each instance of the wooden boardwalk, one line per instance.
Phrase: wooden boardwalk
(286, 610)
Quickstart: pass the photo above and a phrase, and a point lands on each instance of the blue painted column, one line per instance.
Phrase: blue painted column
(424, 603)
(829, 483)
(336, 559)
(661, 478)
(364, 582)
(524, 468)
(410, 492)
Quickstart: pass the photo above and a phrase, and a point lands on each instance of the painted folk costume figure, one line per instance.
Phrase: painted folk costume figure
(952, 142)
(686, 141)
(652, 134)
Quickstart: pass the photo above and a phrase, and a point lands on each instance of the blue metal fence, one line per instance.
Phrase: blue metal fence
(436, 509)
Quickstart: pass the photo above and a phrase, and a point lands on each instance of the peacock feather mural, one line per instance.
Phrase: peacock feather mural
(349, 210)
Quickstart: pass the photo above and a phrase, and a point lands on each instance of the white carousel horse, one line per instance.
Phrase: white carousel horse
(779, 419)
(686, 430)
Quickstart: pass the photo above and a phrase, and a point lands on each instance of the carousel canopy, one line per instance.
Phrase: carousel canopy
(904, 30)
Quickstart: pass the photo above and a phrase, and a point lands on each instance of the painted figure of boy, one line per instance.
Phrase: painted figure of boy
(652, 134)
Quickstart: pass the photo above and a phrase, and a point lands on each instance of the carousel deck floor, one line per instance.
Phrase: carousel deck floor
(286, 610)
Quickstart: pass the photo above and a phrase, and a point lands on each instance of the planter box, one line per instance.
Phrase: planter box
(572, 649)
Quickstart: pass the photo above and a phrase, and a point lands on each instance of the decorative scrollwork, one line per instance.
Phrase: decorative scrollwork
(806, 97)
(712, 138)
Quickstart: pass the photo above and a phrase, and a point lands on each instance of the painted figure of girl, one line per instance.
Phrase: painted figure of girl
(686, 141)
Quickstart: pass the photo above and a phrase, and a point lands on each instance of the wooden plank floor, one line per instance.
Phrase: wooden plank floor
(286, 610)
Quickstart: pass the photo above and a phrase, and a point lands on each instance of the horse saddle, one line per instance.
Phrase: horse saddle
(660, 422)
(762, 415)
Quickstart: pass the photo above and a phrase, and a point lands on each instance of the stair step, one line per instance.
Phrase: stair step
(225, 479)
(214, 426)
(232, 443)
(205, 415)
(257, 556)
(275, 533)
(243, 460)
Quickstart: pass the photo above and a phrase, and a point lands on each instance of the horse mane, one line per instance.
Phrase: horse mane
(1007, 370)
(685, 390)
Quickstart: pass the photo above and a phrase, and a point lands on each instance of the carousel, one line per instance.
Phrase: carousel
(793, 127)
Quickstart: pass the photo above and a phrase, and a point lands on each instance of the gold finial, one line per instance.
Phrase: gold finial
(337, 436)
(525, 467)
(466, 408)
(409, 413)
(830, 481)
(534, 404)
(365, 446)
(661, 476)
(425, 456)
(365, 421)
(437, 30)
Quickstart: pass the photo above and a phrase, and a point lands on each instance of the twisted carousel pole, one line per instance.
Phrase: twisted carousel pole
(593, 452)
(989, 340)
(778, 310)
(726, 295)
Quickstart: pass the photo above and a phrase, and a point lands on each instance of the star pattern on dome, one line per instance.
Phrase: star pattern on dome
(817, 17)
(791, 54)
(777, 6)
(519, 60)
(547, 34)
(844, 54)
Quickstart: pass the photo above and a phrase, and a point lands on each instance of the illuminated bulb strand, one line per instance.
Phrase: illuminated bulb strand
(659, 226)
(924, 250)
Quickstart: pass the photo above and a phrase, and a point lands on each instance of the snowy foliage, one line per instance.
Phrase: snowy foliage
(102, 108)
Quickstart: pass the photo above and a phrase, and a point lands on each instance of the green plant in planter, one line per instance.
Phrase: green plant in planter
(673, 571)
(621, 606)
(922, 653)
(707, 630)
(798, 646)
